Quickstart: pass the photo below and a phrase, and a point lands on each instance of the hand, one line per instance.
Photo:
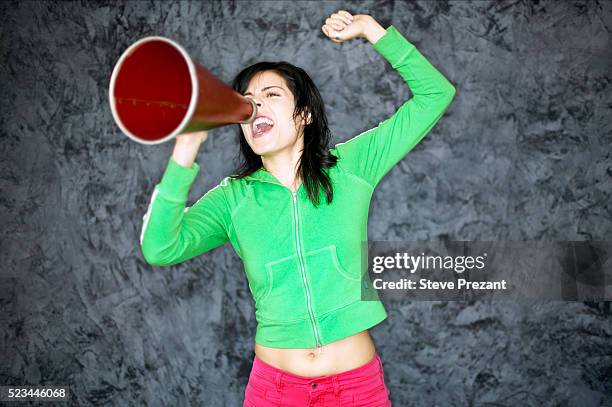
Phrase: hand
(197, 137)
(342, 26)
(187, 146)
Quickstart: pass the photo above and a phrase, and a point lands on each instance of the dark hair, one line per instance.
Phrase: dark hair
(315, 156)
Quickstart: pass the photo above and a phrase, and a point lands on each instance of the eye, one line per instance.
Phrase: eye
(272, 93)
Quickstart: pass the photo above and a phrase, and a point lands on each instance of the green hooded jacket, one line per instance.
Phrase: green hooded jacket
(303, 263)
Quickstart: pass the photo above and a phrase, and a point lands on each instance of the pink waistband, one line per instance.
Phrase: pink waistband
(272, 373)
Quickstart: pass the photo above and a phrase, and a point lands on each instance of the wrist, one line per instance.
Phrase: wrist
(373, 30)
(185, 151)
(184, 160)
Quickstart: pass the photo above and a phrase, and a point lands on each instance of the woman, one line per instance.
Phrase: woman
(296, 214)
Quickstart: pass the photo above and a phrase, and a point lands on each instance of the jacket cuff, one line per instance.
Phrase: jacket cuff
(177, 180)
(393, 46)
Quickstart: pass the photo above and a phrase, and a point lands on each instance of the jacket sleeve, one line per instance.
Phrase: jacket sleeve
(371, 154)
(171, 232)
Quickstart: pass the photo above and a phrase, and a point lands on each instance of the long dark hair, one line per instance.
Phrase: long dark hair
(315, 156)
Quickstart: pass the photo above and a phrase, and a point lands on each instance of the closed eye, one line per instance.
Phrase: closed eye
(272, 93)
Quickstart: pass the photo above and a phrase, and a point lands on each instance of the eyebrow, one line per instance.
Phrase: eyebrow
(268, 87)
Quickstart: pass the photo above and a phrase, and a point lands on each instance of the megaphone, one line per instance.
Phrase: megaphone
(157, 91)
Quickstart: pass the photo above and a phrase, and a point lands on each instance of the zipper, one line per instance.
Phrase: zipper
(297, 242)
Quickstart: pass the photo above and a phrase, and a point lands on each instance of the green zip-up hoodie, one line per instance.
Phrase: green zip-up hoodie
(303, 263)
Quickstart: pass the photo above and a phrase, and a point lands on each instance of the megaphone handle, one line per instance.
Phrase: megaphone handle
(250, 119)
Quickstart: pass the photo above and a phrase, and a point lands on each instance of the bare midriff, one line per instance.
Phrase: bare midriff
(337, 357)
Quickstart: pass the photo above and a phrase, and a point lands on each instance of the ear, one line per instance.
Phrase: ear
(309, 120)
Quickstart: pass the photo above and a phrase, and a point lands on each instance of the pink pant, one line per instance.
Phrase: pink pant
(363, 386)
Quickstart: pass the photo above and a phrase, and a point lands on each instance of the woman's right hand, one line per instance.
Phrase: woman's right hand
(187, 146)
(198, 136)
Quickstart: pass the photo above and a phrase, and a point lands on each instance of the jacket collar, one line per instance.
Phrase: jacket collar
(261, 174)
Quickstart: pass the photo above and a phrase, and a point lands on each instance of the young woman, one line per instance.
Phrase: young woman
(296, 214)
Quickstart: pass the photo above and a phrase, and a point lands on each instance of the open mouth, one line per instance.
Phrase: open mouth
(262, 126)
(260, 131)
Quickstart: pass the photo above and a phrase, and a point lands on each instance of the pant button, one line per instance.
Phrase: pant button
(314, 385)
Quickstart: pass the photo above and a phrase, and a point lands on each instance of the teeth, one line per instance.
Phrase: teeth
(261, 120)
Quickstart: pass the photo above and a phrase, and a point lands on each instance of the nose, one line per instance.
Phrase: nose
(257, 99)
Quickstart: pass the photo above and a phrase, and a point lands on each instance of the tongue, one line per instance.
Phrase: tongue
(262, 128)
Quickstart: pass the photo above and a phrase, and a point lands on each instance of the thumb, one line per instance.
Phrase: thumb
(331, 33)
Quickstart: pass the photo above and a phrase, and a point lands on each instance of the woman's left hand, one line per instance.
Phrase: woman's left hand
(343, 26)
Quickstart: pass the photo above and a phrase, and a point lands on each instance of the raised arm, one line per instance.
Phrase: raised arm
(171, 232)
(373, 153)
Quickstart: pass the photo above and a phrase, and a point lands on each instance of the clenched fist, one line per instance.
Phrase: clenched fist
(196, 137)
(343, 26)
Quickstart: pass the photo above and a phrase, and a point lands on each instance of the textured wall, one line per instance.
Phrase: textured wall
(522, 153)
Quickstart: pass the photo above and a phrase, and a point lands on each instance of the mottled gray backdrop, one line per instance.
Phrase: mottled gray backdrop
(522, 153)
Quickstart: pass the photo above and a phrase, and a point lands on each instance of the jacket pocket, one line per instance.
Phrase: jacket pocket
(284, 300)
(332, 286)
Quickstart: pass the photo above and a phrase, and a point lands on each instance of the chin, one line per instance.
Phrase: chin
(262, 148)
(264, 152)
(259, 150)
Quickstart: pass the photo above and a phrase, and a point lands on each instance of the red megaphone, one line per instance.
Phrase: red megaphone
(157, 92)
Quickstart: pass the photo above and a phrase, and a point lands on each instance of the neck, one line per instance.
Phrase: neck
(284, 168)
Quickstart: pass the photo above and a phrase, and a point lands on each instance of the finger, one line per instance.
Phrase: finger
(336, 23)
(329, 32)
(342, 17)
(338, 26)
(342, 20)
(347, 14)
(338, 19)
